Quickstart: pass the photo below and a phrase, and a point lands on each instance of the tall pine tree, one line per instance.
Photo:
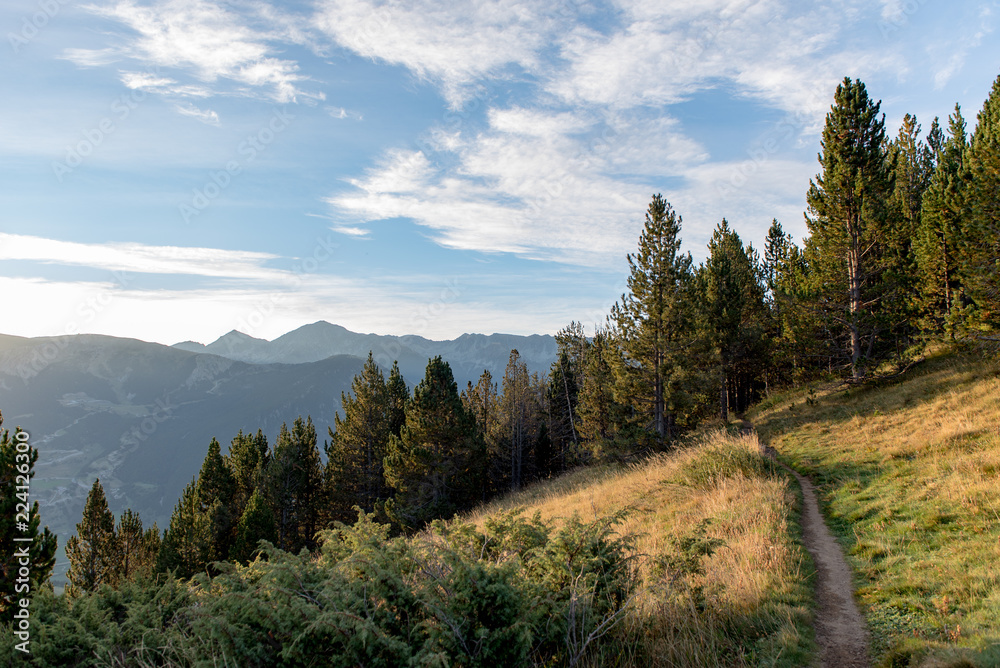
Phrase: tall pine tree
(482, 401)
(654, 323)
(939, 240)
(849, 222)
(93, 551)
(216, 493)
(295, 485)
(601, 414)
(436, 466)
(247, 460)
(734, 315)
(982, 207)
(356, 450)
(187, 545)
(137, 548)
(256, 524)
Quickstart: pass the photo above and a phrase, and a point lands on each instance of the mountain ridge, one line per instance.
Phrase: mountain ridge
(468, 354)
(140, 415)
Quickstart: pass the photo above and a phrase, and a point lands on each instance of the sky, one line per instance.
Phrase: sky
(175, 169)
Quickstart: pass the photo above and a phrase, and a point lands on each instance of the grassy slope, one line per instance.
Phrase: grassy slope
(755, 603)
(909, 476)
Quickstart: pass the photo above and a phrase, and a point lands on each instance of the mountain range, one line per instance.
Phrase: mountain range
(140, 415)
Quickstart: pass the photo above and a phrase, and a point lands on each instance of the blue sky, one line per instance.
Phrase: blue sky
(175, 169)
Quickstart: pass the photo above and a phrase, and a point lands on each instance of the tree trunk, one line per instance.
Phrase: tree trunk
(854, 288)
(724, 399)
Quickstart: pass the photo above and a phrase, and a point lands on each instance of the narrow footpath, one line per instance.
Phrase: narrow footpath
(840, 629)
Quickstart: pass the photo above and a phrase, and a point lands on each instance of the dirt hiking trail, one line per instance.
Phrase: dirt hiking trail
(840, 628)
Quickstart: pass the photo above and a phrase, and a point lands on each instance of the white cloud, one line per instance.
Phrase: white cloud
(544, 195)
(91, 57)
(342, 113)
(536, 122)
(209, 40)
(351, 231)
(141, 258)
(145, 81)
(438, 307)
(454, 45)
(206, 116)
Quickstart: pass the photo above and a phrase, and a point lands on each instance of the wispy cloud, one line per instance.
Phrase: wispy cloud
(213, 43)
(206, 116)
(454, 45)
(351, 231)
(342, 113)
(92, 57)
(141, 258)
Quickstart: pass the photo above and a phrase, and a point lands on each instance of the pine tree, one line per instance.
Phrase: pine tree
(17, 463)
(247, 460)
(562, 403)
(912, 161)
(600, 413)
(572, 342)
(295, 486)
(397, 395)
(93, 551)
(356, 450)
(734, 312)
(981, 262)
(436, 466)
(654, 322)
(216, 491)
(515, 417)
(482, 401)
(848, 220)
(137, 548)
(256, 524)
(793, 333)
(187, 544)
(914, 165)
(940, 236)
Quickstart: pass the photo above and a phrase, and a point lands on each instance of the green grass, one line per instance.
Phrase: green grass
(908, 477)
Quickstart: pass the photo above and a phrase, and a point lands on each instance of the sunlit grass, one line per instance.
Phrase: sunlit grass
(909, 475)
(756, 594)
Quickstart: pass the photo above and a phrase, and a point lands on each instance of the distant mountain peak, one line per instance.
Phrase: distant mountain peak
(190, 346)
(237, 335)
(322, 325)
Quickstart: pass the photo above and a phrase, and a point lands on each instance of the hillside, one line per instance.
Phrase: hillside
(140, 415)
(908, 475)
(709, 534)
(724, 576)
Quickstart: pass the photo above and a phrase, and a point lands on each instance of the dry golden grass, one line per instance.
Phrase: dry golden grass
(756, 595)
(910, 476)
